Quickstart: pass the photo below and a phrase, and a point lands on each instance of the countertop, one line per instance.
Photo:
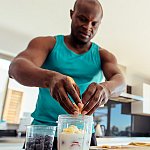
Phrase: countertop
(121, 140)
(17, 143)
(11, 143)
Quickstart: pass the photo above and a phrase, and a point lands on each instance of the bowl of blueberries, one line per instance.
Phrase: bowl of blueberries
(40, 137)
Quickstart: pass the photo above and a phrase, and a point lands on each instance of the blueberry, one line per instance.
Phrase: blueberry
(37, 141)
(38, 147)
(40, 142)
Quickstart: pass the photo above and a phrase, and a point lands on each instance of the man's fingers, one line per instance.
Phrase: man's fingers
(60, 93)
(65, 99)
(101, 102)
(88, 94)
(93, 101)
(77, 89)
(80, 105)
(70, 79)
(71, 87)
(104, 100)
(63, 105)
(93, 109)
(73, 93)
(58, 98)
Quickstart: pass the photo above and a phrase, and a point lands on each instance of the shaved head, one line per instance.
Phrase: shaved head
(96, 3)
(86, 18)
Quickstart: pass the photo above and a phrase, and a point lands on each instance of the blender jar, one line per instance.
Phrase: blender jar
(40, 137)
(74, 132)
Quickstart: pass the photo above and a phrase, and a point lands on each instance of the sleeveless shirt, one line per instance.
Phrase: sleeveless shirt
(83, 68)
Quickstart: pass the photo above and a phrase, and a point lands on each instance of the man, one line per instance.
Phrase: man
(69, 69)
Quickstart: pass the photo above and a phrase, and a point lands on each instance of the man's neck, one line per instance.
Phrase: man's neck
(75, 45)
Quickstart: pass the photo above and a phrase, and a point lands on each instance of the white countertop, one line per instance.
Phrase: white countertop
(121, 140)
(10, 146)
(17, 143)
(11, 143)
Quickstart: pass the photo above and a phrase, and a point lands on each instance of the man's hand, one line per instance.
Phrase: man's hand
(62, 85)
(95, 96)
(98, 94)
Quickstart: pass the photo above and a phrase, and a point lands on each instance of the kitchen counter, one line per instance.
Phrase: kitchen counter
(11, 143)
(121, 140)
(17, 143)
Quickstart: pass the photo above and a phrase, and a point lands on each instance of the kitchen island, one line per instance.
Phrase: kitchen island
(11, 143)
(121, 140)
(17, 143)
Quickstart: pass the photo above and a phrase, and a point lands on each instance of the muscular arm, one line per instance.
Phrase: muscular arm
(115, 82)
(25, 68)
(98, 93)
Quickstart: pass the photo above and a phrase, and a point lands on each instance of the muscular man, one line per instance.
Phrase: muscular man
(69, 68)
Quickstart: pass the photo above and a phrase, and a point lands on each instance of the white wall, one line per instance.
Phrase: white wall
(4, 64)
(136, 81)
(124, 29)
(3, 86)
(146, 95)
(29, 93)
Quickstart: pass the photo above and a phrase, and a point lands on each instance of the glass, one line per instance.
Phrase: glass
(120, 125)
(114, 126)
(74, 132)
(40, 137)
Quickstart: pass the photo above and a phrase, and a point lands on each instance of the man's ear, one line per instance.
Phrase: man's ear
(71, 13)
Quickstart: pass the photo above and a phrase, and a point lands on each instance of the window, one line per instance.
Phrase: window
(111, 117)
(12, 106)
(120, 124)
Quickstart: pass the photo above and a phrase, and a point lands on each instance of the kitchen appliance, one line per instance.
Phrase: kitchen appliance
(99, 130)
(74, 132)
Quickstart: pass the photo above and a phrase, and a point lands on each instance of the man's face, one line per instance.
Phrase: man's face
(85, 22)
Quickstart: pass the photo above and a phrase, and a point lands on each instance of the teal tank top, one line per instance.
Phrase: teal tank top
(83, 68)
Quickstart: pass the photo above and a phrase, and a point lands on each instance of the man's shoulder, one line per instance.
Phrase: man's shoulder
(42, 42)
(106, 54)
(43, 38)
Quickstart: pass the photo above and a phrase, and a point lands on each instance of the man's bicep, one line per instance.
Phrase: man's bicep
(109, 64)
(110, 69)
(31, 55)
(37, 50)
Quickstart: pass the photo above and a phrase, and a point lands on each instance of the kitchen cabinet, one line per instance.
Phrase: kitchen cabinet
(142, 107)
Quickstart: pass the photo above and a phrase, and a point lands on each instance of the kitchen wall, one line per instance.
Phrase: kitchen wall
(136, 81)
(29, 96)
(29, 93)
(124, 29)
(3, 81)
